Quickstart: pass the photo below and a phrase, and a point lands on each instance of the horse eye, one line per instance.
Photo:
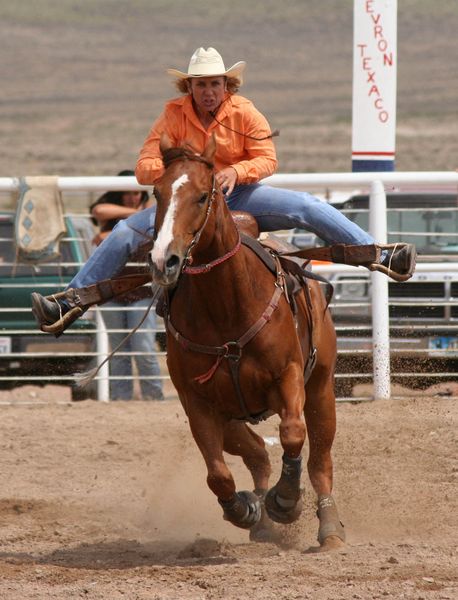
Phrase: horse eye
(203, 199)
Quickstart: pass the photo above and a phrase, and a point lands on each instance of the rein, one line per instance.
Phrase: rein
(214, 263)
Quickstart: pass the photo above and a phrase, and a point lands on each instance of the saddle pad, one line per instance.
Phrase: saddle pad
(39, 221)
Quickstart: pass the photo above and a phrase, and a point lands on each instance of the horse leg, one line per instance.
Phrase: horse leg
(282, 502)
(242, 509)
(241, 440)
(320, 417)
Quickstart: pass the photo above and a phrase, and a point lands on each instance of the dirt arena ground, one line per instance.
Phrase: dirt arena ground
(109, 501)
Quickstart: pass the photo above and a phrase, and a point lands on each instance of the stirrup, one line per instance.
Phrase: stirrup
(64, 322)
(75, 311)
(386, 270)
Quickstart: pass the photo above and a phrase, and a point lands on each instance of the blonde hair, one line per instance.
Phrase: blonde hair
(232, 85)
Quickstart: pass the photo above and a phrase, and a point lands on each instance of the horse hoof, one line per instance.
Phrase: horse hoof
(330, 544)
(282, 510)
(244, 510)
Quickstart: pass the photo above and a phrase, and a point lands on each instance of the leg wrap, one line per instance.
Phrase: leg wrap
(288, 487)
(329, 519)
(243, 510)
(283, 501)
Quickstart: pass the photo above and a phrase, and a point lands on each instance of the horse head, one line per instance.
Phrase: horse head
(184, 195)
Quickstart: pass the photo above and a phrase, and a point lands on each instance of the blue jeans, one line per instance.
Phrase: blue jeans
(273, 208)
(141, 341)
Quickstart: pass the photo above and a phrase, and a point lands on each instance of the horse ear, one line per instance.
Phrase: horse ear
(165, 143)
(210, 149)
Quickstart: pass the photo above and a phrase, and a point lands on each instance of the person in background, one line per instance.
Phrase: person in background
(126, 312)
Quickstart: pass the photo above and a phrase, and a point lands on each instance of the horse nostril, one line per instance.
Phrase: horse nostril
(172, 262)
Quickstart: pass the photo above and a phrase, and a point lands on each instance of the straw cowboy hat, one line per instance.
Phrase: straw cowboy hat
(209, 63)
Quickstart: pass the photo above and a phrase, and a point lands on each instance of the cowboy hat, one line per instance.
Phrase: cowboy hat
(209, 63)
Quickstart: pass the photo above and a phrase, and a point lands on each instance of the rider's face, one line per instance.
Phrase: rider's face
(207, 92)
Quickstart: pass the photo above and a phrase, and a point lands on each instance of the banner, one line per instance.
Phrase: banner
(374, 85)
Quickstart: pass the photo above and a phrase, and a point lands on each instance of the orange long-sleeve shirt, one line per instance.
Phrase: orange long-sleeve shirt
(253, 160)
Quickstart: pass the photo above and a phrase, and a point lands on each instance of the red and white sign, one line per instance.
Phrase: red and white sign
(374, 79)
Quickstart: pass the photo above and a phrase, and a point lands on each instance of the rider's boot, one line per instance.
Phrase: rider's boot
(397, 261)
(56, 312)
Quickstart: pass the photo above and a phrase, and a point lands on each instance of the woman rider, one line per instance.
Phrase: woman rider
(245, 154)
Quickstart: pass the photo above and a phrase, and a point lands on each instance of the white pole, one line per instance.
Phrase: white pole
(380, 309)
(102, 344)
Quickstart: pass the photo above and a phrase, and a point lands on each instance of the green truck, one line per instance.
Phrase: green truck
(28, 356)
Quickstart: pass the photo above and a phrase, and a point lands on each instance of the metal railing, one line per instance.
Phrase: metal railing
(378, 331)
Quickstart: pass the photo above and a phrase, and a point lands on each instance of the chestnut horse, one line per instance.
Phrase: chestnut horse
(236, 352)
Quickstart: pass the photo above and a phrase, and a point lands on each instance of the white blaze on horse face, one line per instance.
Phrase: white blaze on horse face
(165, 234)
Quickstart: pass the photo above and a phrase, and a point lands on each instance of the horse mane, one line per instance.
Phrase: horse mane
(173, 154)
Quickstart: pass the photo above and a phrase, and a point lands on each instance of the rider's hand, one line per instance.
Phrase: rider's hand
(227, 179)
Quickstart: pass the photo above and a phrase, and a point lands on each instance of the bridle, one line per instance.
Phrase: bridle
(195, 240)
(188, 260)
(185, 154)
